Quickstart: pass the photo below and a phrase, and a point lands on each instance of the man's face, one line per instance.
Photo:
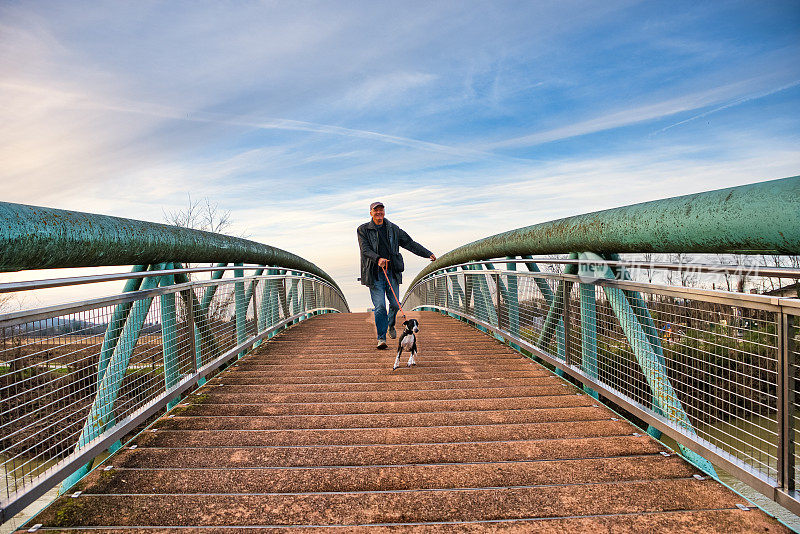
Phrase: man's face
(377, 214)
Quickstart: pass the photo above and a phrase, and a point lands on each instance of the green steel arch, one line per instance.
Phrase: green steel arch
(33, 237)
(760, 218)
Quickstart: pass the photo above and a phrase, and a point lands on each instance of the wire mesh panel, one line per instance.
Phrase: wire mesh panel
(706, 364)
(74, 375)
(793, 388)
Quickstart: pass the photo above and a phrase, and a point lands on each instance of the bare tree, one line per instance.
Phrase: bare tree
(200, 215)
(728, 277)
(647, 259)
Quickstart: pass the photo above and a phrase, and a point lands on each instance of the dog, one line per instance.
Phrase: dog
(408, 341)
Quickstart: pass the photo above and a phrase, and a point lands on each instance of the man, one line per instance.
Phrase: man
(379, 241)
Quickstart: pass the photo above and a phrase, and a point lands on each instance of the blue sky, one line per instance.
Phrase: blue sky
(465, 118)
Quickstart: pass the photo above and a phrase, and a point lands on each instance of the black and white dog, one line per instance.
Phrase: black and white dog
(408, 341)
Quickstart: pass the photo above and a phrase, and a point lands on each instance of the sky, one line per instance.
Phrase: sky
(465, 118)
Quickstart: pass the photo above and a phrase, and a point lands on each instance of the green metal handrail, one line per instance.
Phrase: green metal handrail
(33, 237)
(760, 218)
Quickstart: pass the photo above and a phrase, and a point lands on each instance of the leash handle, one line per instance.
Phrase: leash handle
(393, 293)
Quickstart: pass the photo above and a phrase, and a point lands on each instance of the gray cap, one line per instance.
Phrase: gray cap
(375, 205)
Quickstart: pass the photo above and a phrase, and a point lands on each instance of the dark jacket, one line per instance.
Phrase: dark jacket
(368, 244)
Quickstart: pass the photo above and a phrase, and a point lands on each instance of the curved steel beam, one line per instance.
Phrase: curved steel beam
(761, 218)
(33, 237)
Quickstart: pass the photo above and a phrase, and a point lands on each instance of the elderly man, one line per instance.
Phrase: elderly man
(379, 241)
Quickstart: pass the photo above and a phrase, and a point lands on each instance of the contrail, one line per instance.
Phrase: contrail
(731, 104)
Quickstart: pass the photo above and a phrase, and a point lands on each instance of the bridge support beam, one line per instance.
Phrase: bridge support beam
(101, 414)
(651, 365)
(169, 335)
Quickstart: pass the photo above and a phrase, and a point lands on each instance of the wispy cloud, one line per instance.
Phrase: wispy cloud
(645, 113)
(296, 116)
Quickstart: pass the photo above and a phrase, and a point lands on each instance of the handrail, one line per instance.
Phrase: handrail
(35, 237)
(690, 363)
(757, 218)
(78, 377)
(678, 358)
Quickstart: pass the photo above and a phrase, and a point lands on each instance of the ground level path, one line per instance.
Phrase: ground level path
(315, 429)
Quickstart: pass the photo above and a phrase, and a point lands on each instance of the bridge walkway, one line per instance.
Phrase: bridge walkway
(314, 429)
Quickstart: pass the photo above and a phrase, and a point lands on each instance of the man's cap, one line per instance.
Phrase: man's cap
(375, 205)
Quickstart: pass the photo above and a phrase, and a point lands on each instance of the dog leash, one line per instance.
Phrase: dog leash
(393, 293)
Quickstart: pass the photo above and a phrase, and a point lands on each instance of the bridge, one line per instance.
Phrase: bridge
(552, 393)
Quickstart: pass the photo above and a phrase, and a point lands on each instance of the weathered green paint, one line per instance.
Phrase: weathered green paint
(33, 237)
(240, 308)
(210, 291)
(651, 365)
(642, 312)
(756, 218)
(554, 322)
(547, 293)
(118, 319)
(588, 327)
(512, 300)
(205, 342)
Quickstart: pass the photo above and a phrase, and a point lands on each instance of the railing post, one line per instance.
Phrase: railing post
(566, 289)
(240, 307)
(169, 335)
(497, 298)
(588, 328)
(190, 329)
(512, 300)
(785, 390)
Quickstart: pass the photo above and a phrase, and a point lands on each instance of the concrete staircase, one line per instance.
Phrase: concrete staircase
(315, 429)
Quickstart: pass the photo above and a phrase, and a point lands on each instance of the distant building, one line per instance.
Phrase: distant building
(791, 291)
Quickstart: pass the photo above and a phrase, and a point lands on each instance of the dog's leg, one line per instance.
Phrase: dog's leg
(399, 352)
(411, 360)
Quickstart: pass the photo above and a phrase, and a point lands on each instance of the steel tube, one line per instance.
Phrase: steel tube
(34, 237)
(723, 221)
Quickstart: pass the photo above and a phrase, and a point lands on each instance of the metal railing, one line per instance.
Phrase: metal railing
(77, 378)
(715, 371)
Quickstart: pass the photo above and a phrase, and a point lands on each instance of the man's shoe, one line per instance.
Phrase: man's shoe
(392, 332)
(382, 344)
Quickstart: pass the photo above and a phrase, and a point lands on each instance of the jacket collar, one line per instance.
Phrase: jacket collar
(372, 226)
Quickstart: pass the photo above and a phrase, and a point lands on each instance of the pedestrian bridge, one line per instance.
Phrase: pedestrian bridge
(553, 392)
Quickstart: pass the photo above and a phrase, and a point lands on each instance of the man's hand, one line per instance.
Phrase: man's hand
(433, 257)
(383, 263)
